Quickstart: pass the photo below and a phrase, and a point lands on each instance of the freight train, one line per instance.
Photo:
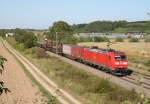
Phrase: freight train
(108, 60)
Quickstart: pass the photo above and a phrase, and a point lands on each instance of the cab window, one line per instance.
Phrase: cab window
(120, 57)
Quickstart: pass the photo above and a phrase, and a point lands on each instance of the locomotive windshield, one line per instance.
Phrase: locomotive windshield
(120, 57)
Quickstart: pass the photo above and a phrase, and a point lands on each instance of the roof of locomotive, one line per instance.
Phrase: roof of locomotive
(101, 50)
(96, 49)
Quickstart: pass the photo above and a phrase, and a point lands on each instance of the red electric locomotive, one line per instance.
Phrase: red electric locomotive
(108, 59)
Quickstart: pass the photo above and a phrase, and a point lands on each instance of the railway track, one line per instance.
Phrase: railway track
(140, 79)
(49, 85)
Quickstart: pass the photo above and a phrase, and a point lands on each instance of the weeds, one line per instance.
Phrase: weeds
(147, 63)
(147, 38)
(119, 40)
(39, 52)
(134, 40)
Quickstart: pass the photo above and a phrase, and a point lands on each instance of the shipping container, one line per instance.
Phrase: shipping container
(66, 49)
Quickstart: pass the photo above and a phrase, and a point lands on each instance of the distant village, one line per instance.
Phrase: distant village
(113, 35)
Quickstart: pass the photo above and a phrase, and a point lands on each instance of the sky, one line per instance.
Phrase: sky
(40, 14)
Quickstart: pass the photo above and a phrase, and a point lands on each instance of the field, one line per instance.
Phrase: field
(138, 53)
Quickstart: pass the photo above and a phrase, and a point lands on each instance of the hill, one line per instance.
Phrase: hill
(112, 26)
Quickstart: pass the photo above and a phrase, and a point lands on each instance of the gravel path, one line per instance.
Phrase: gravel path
(22, 89)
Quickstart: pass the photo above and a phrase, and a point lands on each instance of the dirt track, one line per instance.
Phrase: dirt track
(22, 90)
(63, 96)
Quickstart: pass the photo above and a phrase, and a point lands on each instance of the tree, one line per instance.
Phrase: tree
(31, 40)
(61, 29)
(27, 38)
(2, 87)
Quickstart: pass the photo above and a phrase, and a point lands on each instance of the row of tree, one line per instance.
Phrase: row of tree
(112, 26)
(62, 32)
(99, 26)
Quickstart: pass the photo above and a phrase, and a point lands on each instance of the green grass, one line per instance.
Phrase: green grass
(88, 88)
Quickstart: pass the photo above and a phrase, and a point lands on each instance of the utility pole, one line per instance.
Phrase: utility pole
(93, 37)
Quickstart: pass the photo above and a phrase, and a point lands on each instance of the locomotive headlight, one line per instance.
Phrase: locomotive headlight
(125, 63)
(116, 63)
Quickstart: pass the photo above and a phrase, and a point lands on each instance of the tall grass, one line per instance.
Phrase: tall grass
(147, 38)
(134, 40)
(119, 40)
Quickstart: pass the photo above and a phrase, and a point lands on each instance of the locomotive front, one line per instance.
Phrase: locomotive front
(120, 62)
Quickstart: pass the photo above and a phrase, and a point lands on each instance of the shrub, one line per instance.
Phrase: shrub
(134, 40)
(40, 52)
(119, 40)
(27, 38)
(85, 39)
(101, 39)
(69, 40)
(147, 63)
(93, 39)
(31, 40)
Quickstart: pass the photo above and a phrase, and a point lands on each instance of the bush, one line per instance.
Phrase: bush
(69, 40)
(101, 39)
(147, 63)
(119, 40)
(27, 38)
(134, 40)
(85, 39)
(147, 39)
(40, 52)
(95, 39)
